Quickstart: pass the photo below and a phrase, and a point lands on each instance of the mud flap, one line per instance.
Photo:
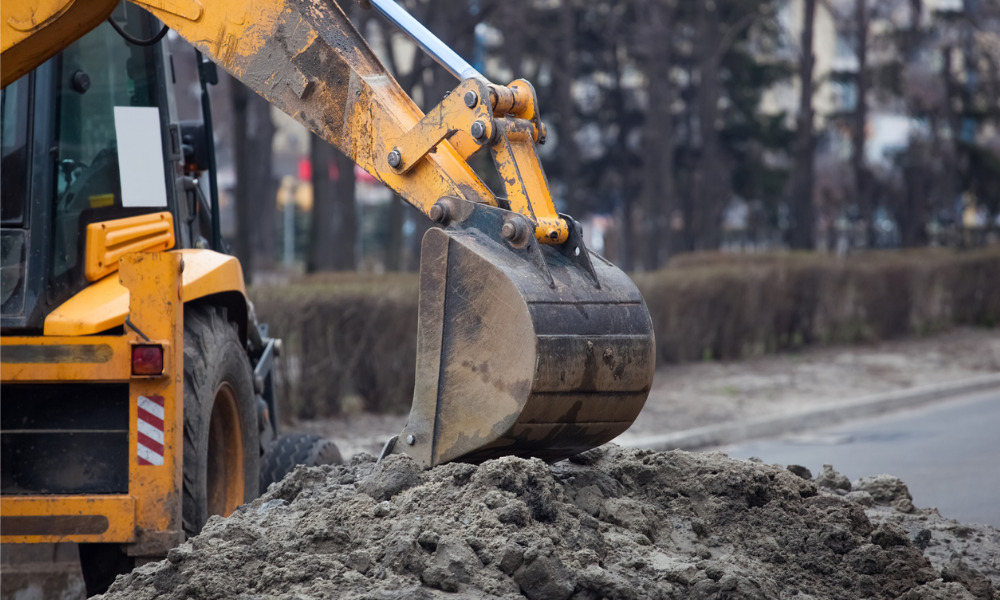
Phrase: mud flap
(535, 350)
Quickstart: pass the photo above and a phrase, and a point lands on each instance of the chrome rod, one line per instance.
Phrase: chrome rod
(432, 45)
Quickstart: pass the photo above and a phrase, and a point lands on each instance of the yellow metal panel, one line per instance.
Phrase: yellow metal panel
(40, 359)
(104, 304)
(231, 30)
(98, 307)
(524, 180)
(150, 516)
(156, 309)
(207, 272)
(108, 241)
(446, 119)
(20, 513)
(32, 32)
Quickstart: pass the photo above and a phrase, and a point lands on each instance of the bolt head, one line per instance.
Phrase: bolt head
(471, 99)
(410, 439)
(478, 130)
(395, 159)
(516, 230)
(553, 234)
(440, 212)
(508, 231)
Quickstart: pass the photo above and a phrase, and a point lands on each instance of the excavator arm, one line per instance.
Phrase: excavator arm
(528, 343)
(308, 60)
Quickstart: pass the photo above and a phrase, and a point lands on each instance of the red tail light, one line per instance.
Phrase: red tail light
(147, 359)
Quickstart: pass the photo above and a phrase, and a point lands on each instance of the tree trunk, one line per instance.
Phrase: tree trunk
(618, 158)
(394, 237)
(802, 181)
(322, 226)
(711, 184)
(345, 215)
(564, 59)
(688, 169)
(862, 179)
(256, 189)
(913, 207)
(658, 136)
(333, 228)
(918, 181)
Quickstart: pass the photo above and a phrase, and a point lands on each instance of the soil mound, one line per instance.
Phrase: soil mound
(611, 523)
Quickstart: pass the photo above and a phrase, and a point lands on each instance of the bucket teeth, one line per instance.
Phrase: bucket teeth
(522, 351)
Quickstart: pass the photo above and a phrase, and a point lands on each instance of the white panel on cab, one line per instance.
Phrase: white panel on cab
(140, 156)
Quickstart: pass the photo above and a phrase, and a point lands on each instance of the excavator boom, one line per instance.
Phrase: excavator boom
(528, 343)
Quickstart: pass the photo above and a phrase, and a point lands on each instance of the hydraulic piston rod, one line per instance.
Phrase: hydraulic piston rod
(438, 50)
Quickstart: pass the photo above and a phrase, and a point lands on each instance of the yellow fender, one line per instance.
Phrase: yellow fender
(104, 304)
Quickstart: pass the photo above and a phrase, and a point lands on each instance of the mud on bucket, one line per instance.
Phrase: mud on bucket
(537, 350)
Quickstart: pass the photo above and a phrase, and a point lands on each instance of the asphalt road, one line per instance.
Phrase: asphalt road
(948, 454)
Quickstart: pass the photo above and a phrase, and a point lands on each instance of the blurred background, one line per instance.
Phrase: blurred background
(775, 174)
(673, 126)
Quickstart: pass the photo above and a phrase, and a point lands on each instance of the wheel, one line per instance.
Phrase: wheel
(221, 447)
(100, 564)
(296, 449)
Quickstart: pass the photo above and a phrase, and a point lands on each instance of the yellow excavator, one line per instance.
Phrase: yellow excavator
(136, 394)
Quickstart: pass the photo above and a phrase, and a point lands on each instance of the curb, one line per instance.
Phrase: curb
(830, 414)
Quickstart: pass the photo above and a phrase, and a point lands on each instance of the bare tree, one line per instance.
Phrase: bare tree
(333, 229)
(862, 177)
(711, 172)
(711, 185)
(803, 177)
(256, 188)
(560, 48)
(655, 49)
(920, 169)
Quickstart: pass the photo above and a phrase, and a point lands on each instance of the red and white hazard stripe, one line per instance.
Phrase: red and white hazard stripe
(150, 429)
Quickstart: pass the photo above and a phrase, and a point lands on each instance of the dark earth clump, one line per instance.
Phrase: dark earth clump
(612, 523)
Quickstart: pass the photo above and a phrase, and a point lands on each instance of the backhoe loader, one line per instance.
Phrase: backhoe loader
(130, 407)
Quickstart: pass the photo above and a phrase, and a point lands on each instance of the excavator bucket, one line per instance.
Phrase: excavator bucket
(537, 350)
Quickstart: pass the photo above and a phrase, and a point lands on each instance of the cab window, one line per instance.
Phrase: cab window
(94, 75)
(14, 166)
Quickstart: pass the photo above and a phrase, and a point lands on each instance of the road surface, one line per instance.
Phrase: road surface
(948, 454)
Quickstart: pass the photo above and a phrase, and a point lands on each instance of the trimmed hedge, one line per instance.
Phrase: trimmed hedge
(718, 307)
(349, 340)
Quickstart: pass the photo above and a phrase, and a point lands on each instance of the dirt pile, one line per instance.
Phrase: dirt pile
(612, 523)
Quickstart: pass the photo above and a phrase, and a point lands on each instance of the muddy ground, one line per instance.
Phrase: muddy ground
(273, 559)
(612, 523)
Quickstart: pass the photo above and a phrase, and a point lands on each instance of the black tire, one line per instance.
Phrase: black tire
(296, 449)
(221, 447)
(100, 564)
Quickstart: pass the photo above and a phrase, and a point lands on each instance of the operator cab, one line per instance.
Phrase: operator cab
(86, 138)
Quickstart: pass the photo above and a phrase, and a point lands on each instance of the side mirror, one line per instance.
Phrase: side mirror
(194, 145)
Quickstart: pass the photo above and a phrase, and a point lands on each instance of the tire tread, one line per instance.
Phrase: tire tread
(291, 450)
